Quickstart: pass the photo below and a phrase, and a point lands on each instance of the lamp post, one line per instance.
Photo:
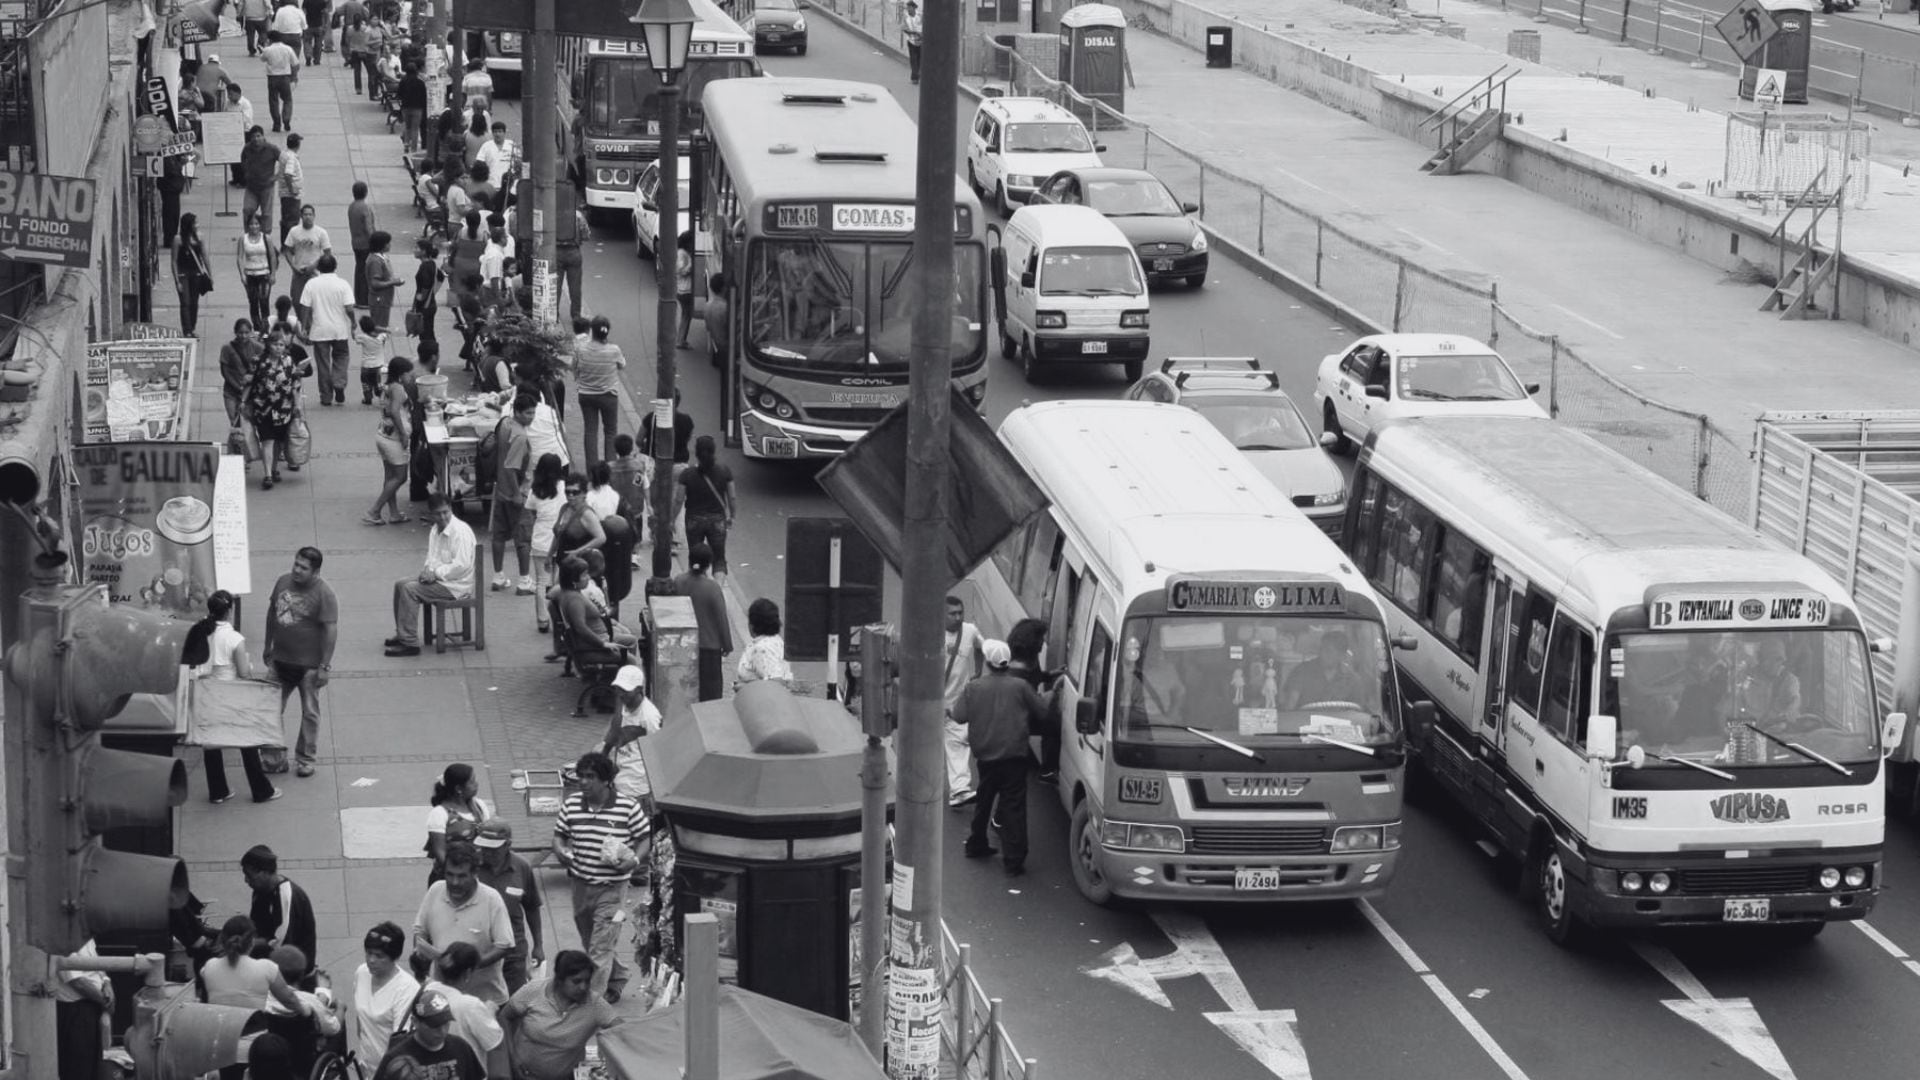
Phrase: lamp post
(667, 27)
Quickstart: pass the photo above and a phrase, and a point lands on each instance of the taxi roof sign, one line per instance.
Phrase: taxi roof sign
(1259, 596)
(1736, 611)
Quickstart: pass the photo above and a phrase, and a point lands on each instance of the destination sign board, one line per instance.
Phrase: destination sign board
(1696, 611)
(1259, 597)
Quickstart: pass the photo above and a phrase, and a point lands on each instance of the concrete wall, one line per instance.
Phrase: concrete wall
(1706, 229)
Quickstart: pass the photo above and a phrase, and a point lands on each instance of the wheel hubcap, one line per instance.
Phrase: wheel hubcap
(1553, 887)
(1089, 853)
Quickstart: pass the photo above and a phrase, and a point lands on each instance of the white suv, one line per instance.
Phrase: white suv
(1015, 143)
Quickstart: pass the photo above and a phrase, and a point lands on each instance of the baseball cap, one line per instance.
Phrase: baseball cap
(494, 833)
(630, 677)
(433, 1008)
(996, 653)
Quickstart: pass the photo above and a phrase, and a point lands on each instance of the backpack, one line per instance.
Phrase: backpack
(486, 456)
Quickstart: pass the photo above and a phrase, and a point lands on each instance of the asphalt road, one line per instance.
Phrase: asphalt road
(1446, 976)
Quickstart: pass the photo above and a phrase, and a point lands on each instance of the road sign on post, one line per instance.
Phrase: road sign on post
(1747, 28)
(1769, 87)
(836, 581)
(46, 219)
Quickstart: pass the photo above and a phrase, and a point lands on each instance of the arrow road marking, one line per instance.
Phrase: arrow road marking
(1733, 1021)
(1271, 1036)
(1465, 1019)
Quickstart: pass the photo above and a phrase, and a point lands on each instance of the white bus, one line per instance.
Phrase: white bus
(810, 202)
(1231, 720)
(1665, 716)
(609, 101)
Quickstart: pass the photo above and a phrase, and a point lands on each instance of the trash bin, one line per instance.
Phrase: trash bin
(1093, 44)
(1220, 46)
(762, 791)
(1789, 50)
(1524, 45)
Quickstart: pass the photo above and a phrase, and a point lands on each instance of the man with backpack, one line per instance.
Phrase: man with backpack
(512, 469)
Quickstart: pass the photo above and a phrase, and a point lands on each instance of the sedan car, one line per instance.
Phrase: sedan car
(1245, 403)
(1386, 376)
(778, 24)
(646, 212)
(1171, 245)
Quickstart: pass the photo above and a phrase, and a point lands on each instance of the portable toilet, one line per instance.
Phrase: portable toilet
(1093, 44)
(1789, 50)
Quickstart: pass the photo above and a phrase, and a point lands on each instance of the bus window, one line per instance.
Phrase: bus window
(1041, 561)
(1460, 595)
(1066, 593)
(1099, 664)
(1529, 657)
(1406, 543)
(1075, 649)
(1366, 523)
(1010, 555)
(1569, 691)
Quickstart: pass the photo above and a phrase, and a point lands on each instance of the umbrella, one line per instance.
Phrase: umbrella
(760, 1039)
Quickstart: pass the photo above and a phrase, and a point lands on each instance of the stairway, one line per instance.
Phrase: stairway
(1811, 268)
(1467, 143)
(1793, 296)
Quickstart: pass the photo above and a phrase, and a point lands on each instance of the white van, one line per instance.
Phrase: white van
(1070, 289)
(1015, 143)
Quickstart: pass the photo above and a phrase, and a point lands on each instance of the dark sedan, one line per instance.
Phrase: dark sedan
(1171, 245)
(778, 24)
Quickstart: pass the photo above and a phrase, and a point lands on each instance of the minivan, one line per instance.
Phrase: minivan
(1069, 290)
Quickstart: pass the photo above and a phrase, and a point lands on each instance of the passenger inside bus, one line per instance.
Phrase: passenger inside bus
(1328, 676)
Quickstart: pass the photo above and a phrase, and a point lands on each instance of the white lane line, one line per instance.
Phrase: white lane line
(1887, 944)
(1589, 322)
(1453, 1004)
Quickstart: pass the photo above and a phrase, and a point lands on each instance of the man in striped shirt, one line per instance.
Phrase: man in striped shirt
(599, 838)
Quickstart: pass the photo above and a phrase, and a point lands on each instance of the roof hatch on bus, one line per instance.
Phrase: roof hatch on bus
(849, 154)
(814, 99)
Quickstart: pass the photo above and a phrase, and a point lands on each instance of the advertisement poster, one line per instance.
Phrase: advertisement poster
(147, 523)
(726, 918)
(136, 391)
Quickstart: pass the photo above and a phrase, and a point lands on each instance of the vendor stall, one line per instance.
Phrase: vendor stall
(455, 429)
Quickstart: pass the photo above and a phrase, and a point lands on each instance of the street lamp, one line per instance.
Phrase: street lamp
(667, 27)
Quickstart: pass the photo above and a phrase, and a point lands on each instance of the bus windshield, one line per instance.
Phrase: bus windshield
(840, 305)
(623, 93)
(1693, 695)
(1255, 679)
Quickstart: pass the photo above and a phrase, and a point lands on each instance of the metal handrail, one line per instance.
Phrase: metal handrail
(1445, 112)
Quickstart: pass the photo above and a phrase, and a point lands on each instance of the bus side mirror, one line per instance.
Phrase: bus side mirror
(1893, 733)
(1329, 440)
(1603, 737)
(1533, 388)
(1406, 642)
(1086, 717)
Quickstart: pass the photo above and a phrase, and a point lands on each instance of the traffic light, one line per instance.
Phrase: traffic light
(174, 1037)
(75, 665)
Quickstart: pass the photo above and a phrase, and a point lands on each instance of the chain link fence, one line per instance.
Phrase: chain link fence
(1396, 293)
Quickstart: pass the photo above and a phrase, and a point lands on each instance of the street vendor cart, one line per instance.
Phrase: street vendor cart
(455, 428)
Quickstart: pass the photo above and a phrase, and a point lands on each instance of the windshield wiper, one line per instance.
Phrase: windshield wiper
(1341, 743)
(1431, 395)
(1810, 755)
(1690, 763)
(1228, 743)
(1262, 446)
(1484, 397)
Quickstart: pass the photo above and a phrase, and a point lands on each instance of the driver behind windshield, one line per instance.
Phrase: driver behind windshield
(1770, 691)
(1328, 676)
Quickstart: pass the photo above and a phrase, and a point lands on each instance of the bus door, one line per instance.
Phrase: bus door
(1089, 668)
(1507, 603)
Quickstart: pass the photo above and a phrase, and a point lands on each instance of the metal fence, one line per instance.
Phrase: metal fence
(977, 1042)
(1889, 84)
(1397, 293)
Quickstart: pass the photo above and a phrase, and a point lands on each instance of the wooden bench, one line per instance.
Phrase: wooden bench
(436, 614)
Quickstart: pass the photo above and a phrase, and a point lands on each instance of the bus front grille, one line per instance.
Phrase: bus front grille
(1259, 840)
(1745, 880)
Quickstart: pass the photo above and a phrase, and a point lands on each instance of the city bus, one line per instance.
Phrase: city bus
(609, 102)
(1229, 711)
(1660, 715)
(810, 202)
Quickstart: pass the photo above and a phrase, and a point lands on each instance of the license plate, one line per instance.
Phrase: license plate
(1093, 347)
(1263, 880)
(1747, 910)
(1163, 264)
(773, 37)
(783, 448)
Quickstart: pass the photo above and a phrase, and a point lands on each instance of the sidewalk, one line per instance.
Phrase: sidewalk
(353, 833)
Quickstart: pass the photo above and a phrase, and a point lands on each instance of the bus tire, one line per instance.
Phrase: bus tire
(1330, 423)
(1551, 888)
(1083, 854)
(1009, 348)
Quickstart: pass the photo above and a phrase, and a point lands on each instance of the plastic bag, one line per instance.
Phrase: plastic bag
(299, 440)
(251, 440)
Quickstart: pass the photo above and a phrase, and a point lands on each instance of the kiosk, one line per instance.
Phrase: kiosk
(1093, 50)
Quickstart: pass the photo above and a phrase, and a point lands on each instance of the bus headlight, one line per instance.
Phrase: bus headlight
(623, 177)
(977, 393)
(1050, 320)
(1632, 881)
(1829, 877)
(1366, 838)
(603, 176)
(1133, 320)
(768, 401)
(1127, 836)
(1856, 876)
(1660, 882)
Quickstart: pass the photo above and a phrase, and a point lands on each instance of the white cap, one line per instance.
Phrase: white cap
(630, 677)
(996, 652)
(212, 59)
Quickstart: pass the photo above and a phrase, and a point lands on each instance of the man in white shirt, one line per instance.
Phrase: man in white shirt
(329, 302)
(282, 62)
(237, 102)
(499, 153)
(289, 25)
(961, 659)
(447, 575)
(80, 998)
(302, 247)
